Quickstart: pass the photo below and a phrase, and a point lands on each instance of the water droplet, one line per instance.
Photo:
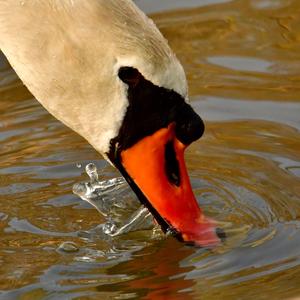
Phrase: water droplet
(80, 189)
(78, 165)
(85, 259)
(68, 247)
(171, 231)
(91, 170)
(109, 228)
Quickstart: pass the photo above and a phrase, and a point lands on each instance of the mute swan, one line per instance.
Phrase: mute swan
(103, 68)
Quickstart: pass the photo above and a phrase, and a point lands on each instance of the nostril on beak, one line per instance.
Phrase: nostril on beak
(171, 164)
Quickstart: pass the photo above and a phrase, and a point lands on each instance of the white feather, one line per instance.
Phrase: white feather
(67, 52)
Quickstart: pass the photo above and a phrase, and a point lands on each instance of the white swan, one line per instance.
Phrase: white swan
(103, 68)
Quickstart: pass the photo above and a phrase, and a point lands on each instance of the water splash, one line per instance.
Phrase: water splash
(115, 201)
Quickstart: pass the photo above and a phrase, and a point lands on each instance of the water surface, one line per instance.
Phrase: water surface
(242, 60)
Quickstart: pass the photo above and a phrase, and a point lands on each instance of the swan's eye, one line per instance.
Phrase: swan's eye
(130, 76)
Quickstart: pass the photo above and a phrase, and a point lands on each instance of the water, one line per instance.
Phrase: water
(242, 60)
(108, 198)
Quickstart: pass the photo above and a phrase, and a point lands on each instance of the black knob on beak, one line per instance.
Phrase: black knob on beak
(189, 125)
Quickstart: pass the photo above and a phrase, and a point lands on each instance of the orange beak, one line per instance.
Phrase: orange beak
(156, 166)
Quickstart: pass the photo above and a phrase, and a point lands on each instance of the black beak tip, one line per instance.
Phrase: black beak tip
(221, 234)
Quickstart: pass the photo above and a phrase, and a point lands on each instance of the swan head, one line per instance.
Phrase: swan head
(149, 152)
(104, 69)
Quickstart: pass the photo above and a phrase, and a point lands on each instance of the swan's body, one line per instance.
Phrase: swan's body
(95, 65)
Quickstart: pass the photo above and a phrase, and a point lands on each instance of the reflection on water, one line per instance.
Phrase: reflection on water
(247, 64)
(157, 5)
(242, 59)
